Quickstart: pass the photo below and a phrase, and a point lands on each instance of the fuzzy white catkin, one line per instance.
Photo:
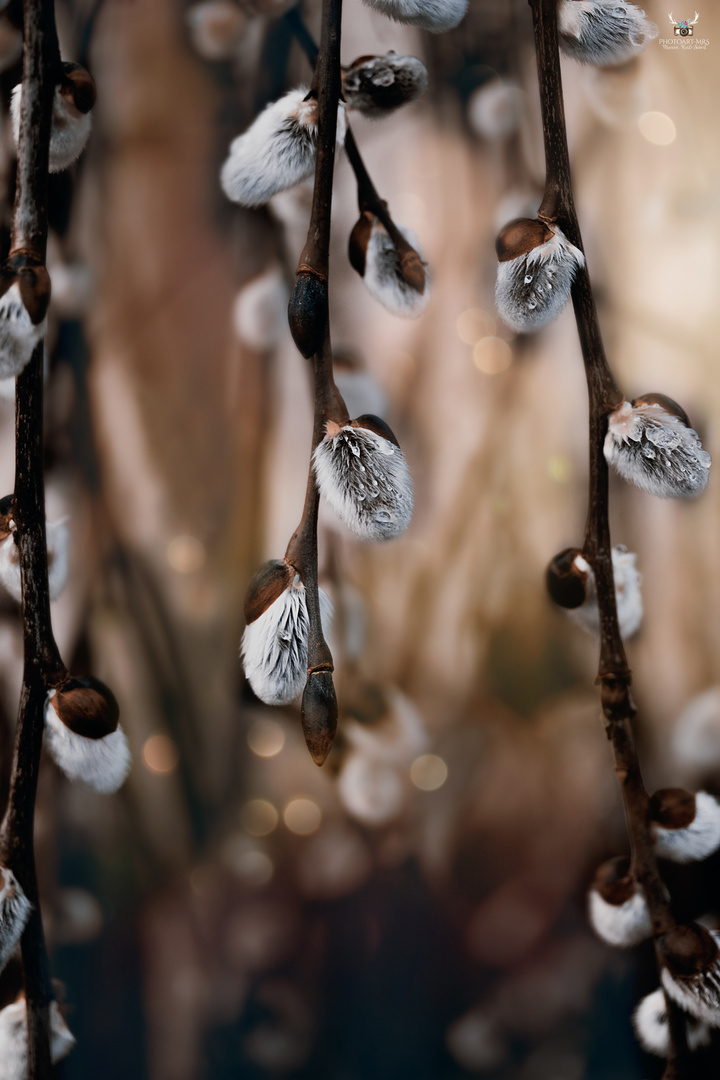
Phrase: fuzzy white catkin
(69, 133)
(102, 764)
(397, 738)
(18, 334)
(58, 553)
(620, 925)
(371, 790)
(277, 151)
(696, 841)
(628, 595)
(274, 646)
(603, 32)
(532, 289)
(215, 27)
(696, 737)
(260, 310)
(13, 1039)
(653, 1032)
(366, 481)
(699, 994)
(434, 15)
(15, 910)
(495, 109)
(384, 83)
(383, 275)
(657, 451)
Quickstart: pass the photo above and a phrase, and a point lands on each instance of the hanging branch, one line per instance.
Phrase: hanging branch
(614, 675)
(43, 666)
(309, 322)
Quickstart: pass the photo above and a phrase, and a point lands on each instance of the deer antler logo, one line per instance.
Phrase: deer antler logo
(685, 26)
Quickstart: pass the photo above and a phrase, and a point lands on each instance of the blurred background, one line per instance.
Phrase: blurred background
(417, 907)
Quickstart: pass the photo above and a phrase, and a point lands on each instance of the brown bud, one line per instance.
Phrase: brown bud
(34, 286)
(673, 808)
(78, 86)
(614, 882)
(360, 60)
(566, 581)
(359, 240)
(308, 312)
(666, 403)
(520, 236)
(319, 714)
(270, 582)
(411, 266)
(687, 950)
(374, 423)
(86, 706)
(6, 515)
(25, 268)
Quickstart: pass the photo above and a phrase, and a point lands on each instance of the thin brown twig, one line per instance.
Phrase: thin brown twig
(614, 675)
(43, 665)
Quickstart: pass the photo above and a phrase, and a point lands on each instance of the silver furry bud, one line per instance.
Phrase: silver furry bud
(685, 827)
(14, 1039)
(650, 1021)
(394, 272)
(535, 273)
(361, 471)
(571, 584)
(58, 555)
(434, 15)
(617, 907)
(15, 911)
(277, 151)
(691, 970)
(376, 85)
(71, 116)
(651, 444)
(18, 334)
(603, 32)
(83, 736)
(274, 646)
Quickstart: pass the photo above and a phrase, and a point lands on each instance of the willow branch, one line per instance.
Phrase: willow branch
(603, 395)
(42, 666)
(309, 321)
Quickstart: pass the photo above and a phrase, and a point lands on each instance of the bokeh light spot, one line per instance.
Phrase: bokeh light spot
(657, 128)
(258, 817)
(559, 469)
(250, 865)
(428, 772)
(474, 324)
(492, 355)
(302, 816)
(185, 554)
(266, 738)
(160, 755)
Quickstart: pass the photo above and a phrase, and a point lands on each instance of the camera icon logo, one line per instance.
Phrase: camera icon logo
(684, 28)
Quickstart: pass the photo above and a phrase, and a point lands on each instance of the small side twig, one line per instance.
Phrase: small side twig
(368, 197)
